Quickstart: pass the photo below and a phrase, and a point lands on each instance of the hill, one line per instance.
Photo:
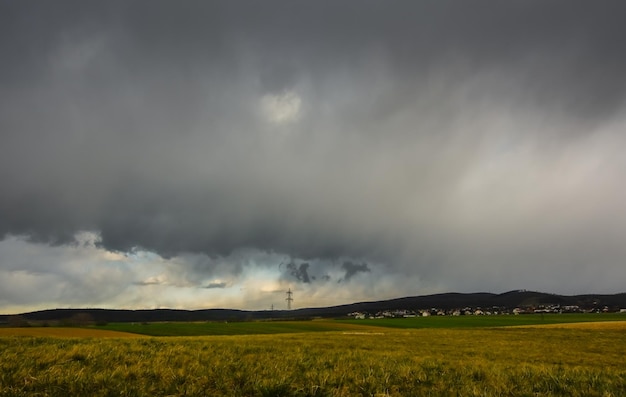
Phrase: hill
(446, 301)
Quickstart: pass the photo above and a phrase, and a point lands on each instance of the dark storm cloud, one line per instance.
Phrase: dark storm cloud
(299, 272)
(352, 269)
(434, 138)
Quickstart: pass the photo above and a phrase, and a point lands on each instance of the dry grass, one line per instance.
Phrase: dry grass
(503, 361)
(607, 325)
(58, 332)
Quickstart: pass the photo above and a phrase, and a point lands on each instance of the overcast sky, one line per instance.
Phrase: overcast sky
(214, 154)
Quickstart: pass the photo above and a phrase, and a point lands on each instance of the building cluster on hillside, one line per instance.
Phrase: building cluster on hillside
(480, 311)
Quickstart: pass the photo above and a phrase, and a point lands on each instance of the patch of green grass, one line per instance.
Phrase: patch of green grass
(487, 321)
(283, 327)
(231, 328)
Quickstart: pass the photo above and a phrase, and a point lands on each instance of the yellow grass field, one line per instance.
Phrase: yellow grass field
(58, 332)
(573, 360)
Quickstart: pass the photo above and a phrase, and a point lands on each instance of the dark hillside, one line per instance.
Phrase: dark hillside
(446, 301)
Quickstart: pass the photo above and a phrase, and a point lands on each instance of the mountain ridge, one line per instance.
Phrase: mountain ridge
(442, 301)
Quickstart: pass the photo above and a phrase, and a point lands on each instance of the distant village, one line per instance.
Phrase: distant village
(479, 311)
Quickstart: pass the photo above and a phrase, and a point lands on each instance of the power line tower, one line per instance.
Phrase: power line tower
(289, 299)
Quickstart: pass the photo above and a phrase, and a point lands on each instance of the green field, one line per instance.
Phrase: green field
(230, 328)
(488, 321)
(580, 359)
(281, 327)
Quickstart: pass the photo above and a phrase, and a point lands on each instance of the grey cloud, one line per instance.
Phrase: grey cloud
(36, 274)
(278, 78)
(299, 272)
(442, 141)
(352, 269)
(216, 285)
(148, 282)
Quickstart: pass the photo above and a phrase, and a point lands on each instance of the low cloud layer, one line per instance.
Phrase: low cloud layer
(400, 150)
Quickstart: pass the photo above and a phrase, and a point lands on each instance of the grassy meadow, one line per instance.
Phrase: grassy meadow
(282, 327)
(583, 359)
(231, 328)
(488, 321)
(65, 332)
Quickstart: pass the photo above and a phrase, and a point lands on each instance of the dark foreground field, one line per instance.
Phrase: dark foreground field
(584, 359)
